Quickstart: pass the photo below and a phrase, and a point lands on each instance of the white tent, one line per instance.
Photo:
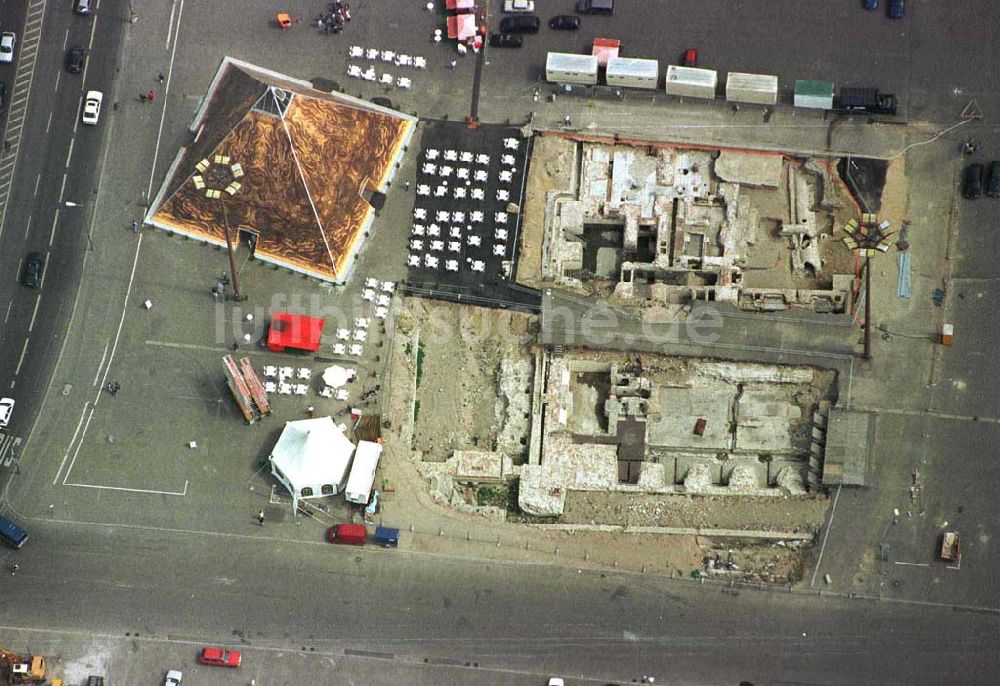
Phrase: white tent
(311, 458)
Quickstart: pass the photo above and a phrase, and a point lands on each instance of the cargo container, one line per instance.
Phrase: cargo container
(691, 82)
(633, 72)
(362, 477)
(866, 100)
(814, 94)
(350, 534)
(386, 536)
(562, 67)
(760, 89)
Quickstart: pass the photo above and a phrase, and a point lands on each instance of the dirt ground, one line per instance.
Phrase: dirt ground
(792, 514)
(456, 352)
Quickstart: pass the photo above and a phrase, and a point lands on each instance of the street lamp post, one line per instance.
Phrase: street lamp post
(868, 238)
(219, 177)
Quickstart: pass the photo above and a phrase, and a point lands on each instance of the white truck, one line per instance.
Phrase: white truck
(362, 476)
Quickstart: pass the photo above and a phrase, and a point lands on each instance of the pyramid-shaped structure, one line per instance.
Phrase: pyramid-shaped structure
(291, 166)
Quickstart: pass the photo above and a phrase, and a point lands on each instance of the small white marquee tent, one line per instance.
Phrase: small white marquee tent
(311, 458)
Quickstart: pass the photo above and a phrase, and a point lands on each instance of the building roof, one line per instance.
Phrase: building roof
(294, 331)
(294, 165)
(850, 436)
(312, 452)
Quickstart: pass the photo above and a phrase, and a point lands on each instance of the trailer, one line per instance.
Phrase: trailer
(817, 95)
(564, 67)
(951, 546)
(760, 89)
(633, 72)
(691, 81)
(869, 100)
(362, 477)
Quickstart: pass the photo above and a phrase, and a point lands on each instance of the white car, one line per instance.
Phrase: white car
(173, 678)
(6, 410)
(512, 6)
(7, 42)
(556, 681)
(92, 107)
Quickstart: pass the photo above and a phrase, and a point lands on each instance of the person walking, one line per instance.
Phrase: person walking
(151, 96)
(160, 78)
(454, 63)
(260, 517)
(13, 568)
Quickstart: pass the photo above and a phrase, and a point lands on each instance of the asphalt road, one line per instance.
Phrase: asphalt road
(49, 209)
(265, 592)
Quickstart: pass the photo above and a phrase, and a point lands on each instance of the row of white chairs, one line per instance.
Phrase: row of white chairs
(369, 74)
(399, 59)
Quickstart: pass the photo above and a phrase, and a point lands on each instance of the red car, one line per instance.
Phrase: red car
(219, 657)
(690, 58)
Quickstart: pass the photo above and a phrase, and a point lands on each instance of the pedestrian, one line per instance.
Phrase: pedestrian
(311, 410)
(236, 346)
(6, 146)
(160, 77)
(151, 95)
(135, 226)
(454, 63)
(143, 96)
(13, 568)
(406, 185)
(260, 517)
(566, 120)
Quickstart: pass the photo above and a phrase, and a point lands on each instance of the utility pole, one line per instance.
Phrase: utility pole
(237, 295)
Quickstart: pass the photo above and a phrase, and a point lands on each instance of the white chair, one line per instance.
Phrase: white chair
(355, 51)
(456, 232)
(423, 189)
(343, 334)
(478, 266)
(339, 348)
(356, 350)
(451, 265)
(388, 286)
(506, 176)
(442, 216)
(508, 160)
(437, 246)
(369, 74)
(362, 322)
(500, 217)
(465, 156)
(474, 241)
(500, 234)
(458, 217)
(301, 389)
(433, 230)
(383, 300)
(459, 193)
(270, 387)
(360, 335)
(371, 282)
(372, 53)
(326, 392)
(285, 373)
(503, 195)
(342, 394)
(451, 155)
(354, 71)
(419, 63)
(511, 143)
(478, 194)
(413, 261)
(416, 244)
(404, 61)
(445, 171)
(417, 230)
(462, 173)
(454, 246)
(388, 56)
(386, 80)
(441, 191)
(430, 261)
(270, 371)
(284, 388)
(476, 217)
(432, 153)
(429, 168)
(499, 249)
(482, 159)
(368, 294)
(381, 312)
(481, 175)
(403, 82)
(304, 373)
(419, 213)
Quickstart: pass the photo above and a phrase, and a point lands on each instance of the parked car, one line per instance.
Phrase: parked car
(606, 7)
(869, 4)
(690, 58)
(92, 107)
(511, 6)
(527, 23)
(896, 9)
(6, 411)
(3, 96)
(81, 6)
(34, 265)
(219, 657)
(972, 184)
(993, 182)
(506, 40)
(74, 59)
(173, 678)
(556, 681)
(352, 534)
(564, 22)
(7, 42)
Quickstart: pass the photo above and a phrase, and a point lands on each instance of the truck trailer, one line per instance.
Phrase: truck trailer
(564, 67)
(869, 100)
(633, 72)
(362, 477)
(761, 89)
(691, 81)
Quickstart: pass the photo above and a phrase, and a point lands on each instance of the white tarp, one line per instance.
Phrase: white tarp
(311, 458)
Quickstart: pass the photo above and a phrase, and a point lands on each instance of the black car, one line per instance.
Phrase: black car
(74, 60)
(972, 184)
(606, 7)
(526, 23)
(34, 265)
(993, 181)
(564, 22)
(506, 40)
(3, 96)
(896, 9)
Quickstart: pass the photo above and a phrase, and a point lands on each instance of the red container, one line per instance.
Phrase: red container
(351, 534)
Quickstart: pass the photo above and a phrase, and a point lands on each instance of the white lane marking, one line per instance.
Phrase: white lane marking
(48, 124)
(58, 80)
(65, 40)
(9, 305)
(45, 270)
(27, 226)
(34, 314)
(77, 451)
(104, 356)
(71, 441)
(121, 322)
(62, 189)
(20, 266)
(52, 234)
(911, 564)
(69, 155)
(21, 360)
(131, 490)
(38, 180)
(166, 91)
(170, 25)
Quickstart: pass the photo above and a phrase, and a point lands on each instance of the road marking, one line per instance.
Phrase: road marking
(9, 305)
(77, 451)
(71, 441)
(911, 564)
(27, 227)
(7, 445)
(131, 490)
(48, 124)
(52, 234)
(826, 534)
(69, 155)
(104, 356)
(45, 270)
(195, 346)
(121, 322)
(34, 314)
(38, 180)
(62, 190)
(21, 360)
(65, 40)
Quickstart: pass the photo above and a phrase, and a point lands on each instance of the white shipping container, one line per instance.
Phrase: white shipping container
(761, 89)
(633, 72)
(563, 67)
(362, 478)
(692, 82)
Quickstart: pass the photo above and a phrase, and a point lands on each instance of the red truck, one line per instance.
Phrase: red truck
(352, 534)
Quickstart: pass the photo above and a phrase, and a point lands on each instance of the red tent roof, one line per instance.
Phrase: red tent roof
(294, 331)
(604, 49)
(462, 26)
(465, 5)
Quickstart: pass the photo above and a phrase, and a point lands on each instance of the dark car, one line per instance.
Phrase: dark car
(3, 96)
(74, 60)
(526, 23)
(506, 40)
(564, 22)
(606, 7)
(869, 4)
(34, 265)
(972, 184)
(896, 9)
(690, 58)
(993, 182)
